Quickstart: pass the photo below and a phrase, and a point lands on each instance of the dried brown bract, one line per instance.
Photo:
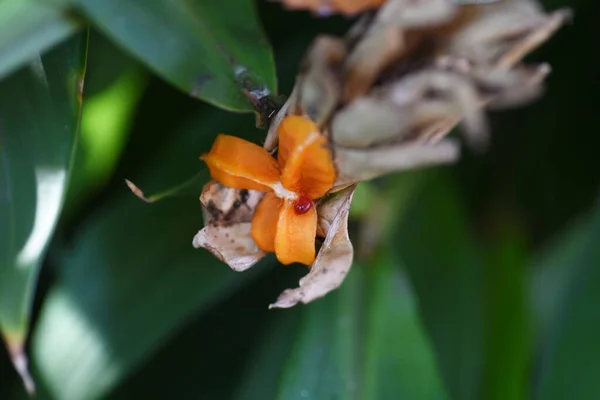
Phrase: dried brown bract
(389, 93)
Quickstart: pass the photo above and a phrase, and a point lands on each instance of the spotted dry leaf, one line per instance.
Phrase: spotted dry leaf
(228, 214)
(335, 255)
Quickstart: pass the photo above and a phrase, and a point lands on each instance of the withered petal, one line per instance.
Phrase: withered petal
(387, 40)
(319, 88)
(504, 32)
(355, 165)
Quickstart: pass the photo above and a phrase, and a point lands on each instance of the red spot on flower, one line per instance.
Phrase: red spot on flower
(302, 205)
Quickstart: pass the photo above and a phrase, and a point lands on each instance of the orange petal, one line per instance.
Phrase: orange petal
(351, 7)
(295, 237)
(304, 157)
(240, 164)
(264, 222)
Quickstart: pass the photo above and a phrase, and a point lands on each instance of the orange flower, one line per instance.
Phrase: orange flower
(285, 221)
(347, 7)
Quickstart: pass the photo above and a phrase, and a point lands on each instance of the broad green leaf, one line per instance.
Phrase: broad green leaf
(107, 116)
(39, 121)
(363, 341)
(130, 278)
(211, 50)
(569, 364)
(399, 360)
(261, 376)
(113, 90)
(104, 130)
(129, 281)
(552, 274)
(28, 28)
(324, 362)
(445, 269)
(508, 339)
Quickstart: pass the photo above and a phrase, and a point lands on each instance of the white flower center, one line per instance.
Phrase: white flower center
(284, 193)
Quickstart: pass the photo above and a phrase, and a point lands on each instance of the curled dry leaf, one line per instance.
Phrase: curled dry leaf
(227, 215)
(386, 159)
(393, 34)
(334, 258)
(317, 90)
(503, 33)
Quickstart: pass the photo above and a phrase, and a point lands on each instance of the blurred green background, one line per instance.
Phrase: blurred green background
(485, 283)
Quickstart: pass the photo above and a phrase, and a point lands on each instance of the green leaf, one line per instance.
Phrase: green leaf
(552, 274)
(569, 364)
(261, 376)
(324, 362)
(113, 89)
(445, 269)
(508, 339)
(28, 28)
(129, 282)
(400, 362)
(211, 50)
(363, 341)
(39, 121)
(130, 278)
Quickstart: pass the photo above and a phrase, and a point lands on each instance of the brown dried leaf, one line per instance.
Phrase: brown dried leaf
(228, 214)
(372, 55)
(512, 87)
(504, 32)
(355, 165)
(414, 14)
(456, 90)
(455, 66)
(407, 111)
(335, 256)
(388, 39)
(319, 87)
